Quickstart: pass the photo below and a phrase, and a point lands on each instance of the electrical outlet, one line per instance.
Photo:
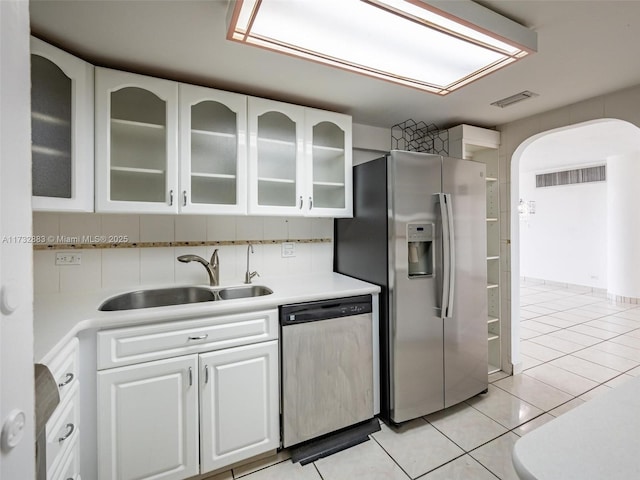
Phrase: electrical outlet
(63, 258)
(288, 250)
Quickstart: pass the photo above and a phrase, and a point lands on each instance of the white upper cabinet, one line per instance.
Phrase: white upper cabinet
(61, 130)
(276, 158)
(213, 151)
(328, 161)
(299, 160)
(136, 143)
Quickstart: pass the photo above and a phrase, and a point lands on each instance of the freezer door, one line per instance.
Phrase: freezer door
(465, 331)
(415, 326)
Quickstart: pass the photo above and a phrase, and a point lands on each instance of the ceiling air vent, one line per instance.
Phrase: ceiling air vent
(518, 97)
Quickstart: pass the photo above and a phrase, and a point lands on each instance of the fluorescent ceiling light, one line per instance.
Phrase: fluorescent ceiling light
(434, 46)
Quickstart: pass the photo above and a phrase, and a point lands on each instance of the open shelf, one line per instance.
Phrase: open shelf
(491, 320)
(491, 179)
(492, 219)
(495, 257)
(493, 369)
(492, 285)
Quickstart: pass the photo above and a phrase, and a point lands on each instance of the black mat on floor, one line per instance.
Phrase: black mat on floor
(334, 442)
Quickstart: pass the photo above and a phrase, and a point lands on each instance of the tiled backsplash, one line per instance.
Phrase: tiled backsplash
(131, 267)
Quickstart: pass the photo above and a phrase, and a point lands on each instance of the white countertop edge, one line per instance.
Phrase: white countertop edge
(60, 317)
(596, 440)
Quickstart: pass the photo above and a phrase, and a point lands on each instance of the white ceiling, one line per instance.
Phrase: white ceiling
(585, 48)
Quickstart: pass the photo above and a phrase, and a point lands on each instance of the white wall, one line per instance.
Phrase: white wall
(565, 240)
(130, 267)
(623, 227)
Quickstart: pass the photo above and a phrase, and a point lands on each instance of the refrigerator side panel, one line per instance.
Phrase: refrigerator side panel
(465, 333)
(360, 251)
(416, 327)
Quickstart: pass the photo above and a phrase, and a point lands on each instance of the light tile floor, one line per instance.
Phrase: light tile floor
(575, 345)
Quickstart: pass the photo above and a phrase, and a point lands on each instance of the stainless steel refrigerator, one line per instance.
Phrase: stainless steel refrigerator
(419, 231)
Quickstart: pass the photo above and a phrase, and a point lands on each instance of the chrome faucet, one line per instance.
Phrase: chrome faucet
(249, 275)
(212, 266)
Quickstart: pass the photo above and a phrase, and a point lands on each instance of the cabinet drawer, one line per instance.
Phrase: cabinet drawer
(129, 345)
(64, 368)
(70, 466)
(62, 430)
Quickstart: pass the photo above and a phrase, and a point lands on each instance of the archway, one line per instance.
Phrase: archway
(605, 139)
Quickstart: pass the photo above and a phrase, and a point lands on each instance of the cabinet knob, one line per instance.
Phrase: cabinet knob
(9, 299)
(13, 430)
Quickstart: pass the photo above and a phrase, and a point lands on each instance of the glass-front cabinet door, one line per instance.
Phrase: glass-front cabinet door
(136, 143)
(276, 158)
(213, 151)
(61, 130)
(328, 166)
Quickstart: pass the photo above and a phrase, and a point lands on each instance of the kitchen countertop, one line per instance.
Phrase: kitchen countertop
(60, 317)
(597, 440)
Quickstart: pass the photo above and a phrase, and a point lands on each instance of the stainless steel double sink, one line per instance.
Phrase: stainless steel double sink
(162, 297)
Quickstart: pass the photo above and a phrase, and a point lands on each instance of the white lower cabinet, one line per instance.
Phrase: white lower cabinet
(148, 420)
(63, 427)
(70, 466)
(238, 404)
(174, 418)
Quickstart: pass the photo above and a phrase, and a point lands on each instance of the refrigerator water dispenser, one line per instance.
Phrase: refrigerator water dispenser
(420, 249)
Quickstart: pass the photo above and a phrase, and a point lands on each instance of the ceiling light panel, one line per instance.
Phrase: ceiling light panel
(388, 39)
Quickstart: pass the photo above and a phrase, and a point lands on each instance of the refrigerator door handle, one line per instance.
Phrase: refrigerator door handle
(446, 254)
(448, 312)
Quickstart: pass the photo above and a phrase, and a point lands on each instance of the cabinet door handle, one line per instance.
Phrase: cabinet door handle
(310, 203)
(301, 202)
(170, 198)
(206, 374)
(190, 376)
(184, 198)
(198, 337)
(68, 378)
(70, 427)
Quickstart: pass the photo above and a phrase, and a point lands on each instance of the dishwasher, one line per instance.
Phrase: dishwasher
(326, 376)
